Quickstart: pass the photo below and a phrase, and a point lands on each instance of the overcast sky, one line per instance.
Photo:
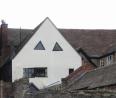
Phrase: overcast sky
(78, 14)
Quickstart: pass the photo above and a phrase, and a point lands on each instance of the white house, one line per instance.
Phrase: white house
(46, 57)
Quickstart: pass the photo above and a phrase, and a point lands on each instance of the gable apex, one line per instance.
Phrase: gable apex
(38, 26)
(46, 19)
(32, 33)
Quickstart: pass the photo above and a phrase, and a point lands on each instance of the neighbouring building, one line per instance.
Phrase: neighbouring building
(91, 67)
(100, 78)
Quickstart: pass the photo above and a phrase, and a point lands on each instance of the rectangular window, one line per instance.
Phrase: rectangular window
(101, 62)
(71, 70)
(35, 72)
(110, 59)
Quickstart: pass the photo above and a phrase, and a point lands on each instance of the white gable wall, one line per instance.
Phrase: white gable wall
(57, 62)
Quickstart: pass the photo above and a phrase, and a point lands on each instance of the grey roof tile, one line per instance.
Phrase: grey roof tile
(99, 77)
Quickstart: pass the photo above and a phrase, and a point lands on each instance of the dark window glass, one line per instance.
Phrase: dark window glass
(39, 46)
(35, 72)
(57, 47)
(0, 52)
(71, 70)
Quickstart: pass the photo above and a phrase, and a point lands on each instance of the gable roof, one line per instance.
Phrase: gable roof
(99, 77)
(14, 35)
(94, 42)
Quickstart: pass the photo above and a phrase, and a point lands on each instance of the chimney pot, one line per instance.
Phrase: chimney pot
(3, 22)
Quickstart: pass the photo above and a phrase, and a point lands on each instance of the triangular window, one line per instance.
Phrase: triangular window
(57, 47)
(39, 46)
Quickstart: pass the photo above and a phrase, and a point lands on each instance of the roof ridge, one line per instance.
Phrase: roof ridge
(87, 29)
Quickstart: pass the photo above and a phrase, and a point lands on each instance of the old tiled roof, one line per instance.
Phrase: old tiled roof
(79, 71)
(70, 79)
(19, 37)
(99, 77)
(93, 42)
(14, 35)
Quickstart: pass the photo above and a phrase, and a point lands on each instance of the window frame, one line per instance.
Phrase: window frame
(102, 62)
(34, 72)
(57, 46)
(71, 70)
(39, 48)
(109, 59)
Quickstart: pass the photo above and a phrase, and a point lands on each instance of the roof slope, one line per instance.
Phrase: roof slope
(93, 42)
(96, 78)
(23, 36)
(77, 74)
(14, 35)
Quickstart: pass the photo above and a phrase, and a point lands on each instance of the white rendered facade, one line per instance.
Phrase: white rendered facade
(57, 63)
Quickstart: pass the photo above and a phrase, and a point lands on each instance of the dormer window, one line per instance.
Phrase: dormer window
(110, 59)
(39, 46)
(101, 62)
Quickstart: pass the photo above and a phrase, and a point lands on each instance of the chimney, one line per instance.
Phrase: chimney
(4, 34)
(4, 39)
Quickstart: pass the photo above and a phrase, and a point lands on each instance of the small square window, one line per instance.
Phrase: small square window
(71, 70)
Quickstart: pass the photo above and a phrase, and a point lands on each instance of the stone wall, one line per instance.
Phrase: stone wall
(77, 94)
(20, 88)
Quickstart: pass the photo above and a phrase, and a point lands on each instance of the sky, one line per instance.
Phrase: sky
(75, 14)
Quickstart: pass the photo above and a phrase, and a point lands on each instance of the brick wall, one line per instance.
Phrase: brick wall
(6, 89)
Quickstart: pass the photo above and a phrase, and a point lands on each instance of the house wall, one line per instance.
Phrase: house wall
(57, 62)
